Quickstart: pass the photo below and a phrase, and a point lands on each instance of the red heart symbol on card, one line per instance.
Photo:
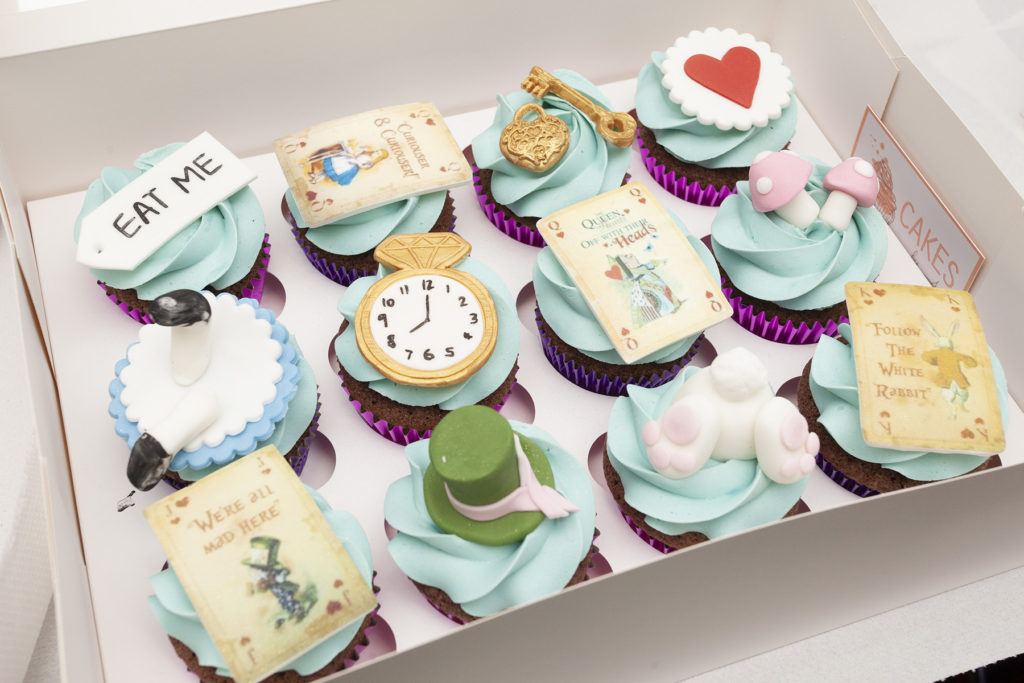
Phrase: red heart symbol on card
(333, 606)
(708, 294)
(884, 413)
(430, 122)
(614, 273)
(734, 76)
(266, 471)
(642, 200)
(338, 583)
(879, 292)
(181, 502)
(245, 640)
(625, 210)
(302, 144)
(955, 309)
(869, 302)
(967, 433)
(412, 116)
(559, 234)
(978, 421)
(175, 520)
(444, 170)
(624, 332)
(310, 195)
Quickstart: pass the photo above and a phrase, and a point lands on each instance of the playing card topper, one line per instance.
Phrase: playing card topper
(141, 217)
(636, 270)
(357, 163)
(924, 373)
(258, 560)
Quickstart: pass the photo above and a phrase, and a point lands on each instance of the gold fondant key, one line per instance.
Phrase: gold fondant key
(617, 128)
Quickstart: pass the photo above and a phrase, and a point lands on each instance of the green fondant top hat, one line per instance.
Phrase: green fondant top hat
(263, 553)
(475, 472)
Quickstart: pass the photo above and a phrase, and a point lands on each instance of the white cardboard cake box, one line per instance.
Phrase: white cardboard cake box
(652, 618)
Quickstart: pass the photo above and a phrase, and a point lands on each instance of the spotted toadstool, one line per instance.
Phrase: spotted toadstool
(851, 184)
(777, 181)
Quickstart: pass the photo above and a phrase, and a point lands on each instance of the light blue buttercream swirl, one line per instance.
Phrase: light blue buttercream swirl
(771, 259)
(567, 313)
(216, 250)
(178, 617)
(688, 139)
(364, 231)
(833, 384)
(590, 166)
(486, 579)
(723, 497)
(480, 385)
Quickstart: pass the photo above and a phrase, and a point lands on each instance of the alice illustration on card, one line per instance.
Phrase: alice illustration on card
(342, 162)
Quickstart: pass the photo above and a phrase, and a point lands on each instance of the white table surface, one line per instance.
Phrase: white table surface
(973, 54)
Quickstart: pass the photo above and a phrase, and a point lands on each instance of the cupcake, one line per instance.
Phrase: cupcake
(706, 107)
(514, 197)
(432, 339)
(216, 378)
(226, 250)
(493, 514)
(829, 398)
(343, 250)
(576, 344)
(177, 616)
(787, 249)
(710, 453)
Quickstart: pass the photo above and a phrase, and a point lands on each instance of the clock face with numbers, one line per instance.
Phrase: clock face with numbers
(427, 327)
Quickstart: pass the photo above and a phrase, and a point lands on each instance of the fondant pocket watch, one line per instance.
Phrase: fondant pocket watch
(426, 324)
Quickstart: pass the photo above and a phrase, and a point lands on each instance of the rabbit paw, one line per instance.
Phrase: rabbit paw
(681, 440)
(785, 447)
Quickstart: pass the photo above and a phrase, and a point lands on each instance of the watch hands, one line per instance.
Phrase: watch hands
(425, 320)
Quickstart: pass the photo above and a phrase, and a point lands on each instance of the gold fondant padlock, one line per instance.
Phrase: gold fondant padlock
(537, 144)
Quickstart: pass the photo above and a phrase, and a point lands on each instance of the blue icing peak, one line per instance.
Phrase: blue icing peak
(590, 166)
(364, 231)
(216, 250)
(483, 382)
(486, 579)
(769, 258)
(566, 311)
(721, 498)
(833, 384)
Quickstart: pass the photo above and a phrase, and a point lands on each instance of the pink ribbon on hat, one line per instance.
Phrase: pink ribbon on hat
(530, 496)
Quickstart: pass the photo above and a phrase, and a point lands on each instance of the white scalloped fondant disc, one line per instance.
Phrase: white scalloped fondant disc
(242, 372)
(771, 96)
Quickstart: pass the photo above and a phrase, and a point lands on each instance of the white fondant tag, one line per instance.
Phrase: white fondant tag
(127, 228)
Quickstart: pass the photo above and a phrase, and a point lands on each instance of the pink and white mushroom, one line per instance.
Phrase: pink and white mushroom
(851, 184)
(777, 182)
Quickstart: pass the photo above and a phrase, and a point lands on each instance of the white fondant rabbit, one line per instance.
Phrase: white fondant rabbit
(727, 411)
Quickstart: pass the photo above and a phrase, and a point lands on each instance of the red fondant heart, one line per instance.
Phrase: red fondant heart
(614, 273)
(734, 76)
